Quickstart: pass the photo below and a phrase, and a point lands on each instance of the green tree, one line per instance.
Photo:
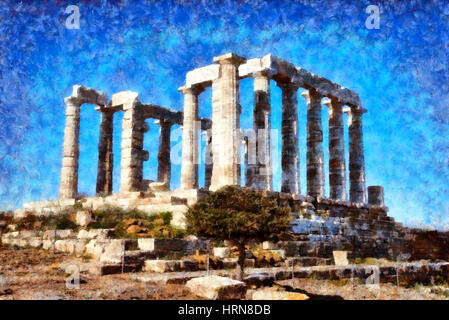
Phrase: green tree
(239, 215)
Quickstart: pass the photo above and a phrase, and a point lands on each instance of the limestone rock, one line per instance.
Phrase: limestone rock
(217, 288)
(270, 294)
(83, 218)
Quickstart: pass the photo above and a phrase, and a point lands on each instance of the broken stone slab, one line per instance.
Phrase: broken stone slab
(217, 288)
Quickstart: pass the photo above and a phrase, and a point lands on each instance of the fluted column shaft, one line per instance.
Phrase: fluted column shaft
(263, 174)
(105, 153)
(290, 148)
(208, 159)
(337, 165)
(190, 134)
(226, 138)
(357, 184)
(315, 155)
(133, 155)
(163, 157)
(70, 154)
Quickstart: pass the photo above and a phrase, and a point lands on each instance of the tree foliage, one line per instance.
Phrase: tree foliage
(239, 215)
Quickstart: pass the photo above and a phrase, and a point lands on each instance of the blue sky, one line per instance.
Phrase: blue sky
(400, 72)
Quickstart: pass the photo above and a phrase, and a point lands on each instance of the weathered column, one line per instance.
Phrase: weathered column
(190, 134)
(263, 174)
(163, 157)
(315, 156)
(249, 165)
(226, 138)
(357, 188)
(290, 147)
(337, 165)
(208, 159)
(70, 154)
(376, 195)
(133, 128)
(105, 153)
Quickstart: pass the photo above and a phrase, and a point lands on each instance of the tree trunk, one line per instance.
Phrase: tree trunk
(242, 257)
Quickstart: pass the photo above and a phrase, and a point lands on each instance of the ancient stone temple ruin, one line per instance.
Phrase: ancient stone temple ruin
(358, 222)
(224, 134)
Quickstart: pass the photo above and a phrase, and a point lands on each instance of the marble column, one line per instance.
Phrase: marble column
(163, 157)
(70, 154)
(337, 165)
(226, 137)
(249, 167)
(290, 147)
(133, 155)
(208, 159)
(315, 156)
(105, 153)
(357, 185)
(190, 134)
(263, 174)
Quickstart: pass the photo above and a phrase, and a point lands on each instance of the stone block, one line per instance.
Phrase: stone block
(161, 266)
(340, 258)
(268, 245)
(158, 186)
(83, 218)
(114, 250)
(146, 244)
(222, 252)
(217, 288)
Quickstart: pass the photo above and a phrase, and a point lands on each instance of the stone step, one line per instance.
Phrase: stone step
(308, 261)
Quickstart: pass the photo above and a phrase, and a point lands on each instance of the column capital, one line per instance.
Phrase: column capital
(194, 89)
(229, 58)
(332, 102)
(287, 85)
(163, 122)
(261, 74)
(355, 110)
(73, 100)
(310, 94)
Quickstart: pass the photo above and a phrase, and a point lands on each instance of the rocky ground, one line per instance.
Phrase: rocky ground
(40, 274)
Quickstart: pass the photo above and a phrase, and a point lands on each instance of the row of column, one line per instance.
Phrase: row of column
(133, 155)
(226, 140)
